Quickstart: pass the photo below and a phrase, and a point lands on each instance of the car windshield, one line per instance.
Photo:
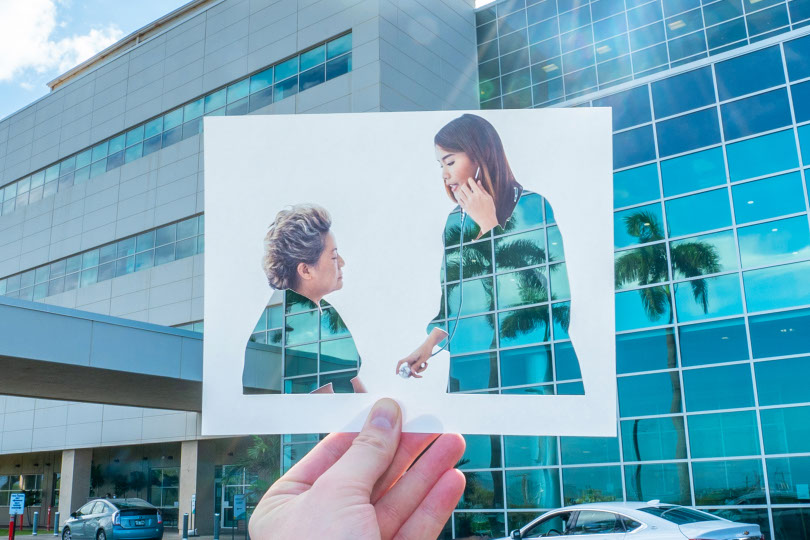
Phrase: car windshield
(126, 504)
(678, 514)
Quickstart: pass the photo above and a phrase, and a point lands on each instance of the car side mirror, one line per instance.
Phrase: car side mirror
(515, 535)
(74, 514)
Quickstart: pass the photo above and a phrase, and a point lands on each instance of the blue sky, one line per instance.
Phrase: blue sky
(42, 39)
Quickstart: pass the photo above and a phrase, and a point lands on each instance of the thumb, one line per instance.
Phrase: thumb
(372, 451)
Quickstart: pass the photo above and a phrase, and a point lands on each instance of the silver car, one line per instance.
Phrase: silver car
(109, 519)
(635, 521)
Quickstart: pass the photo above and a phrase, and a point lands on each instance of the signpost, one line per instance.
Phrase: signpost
(239, 510)
(15, 508)
(17, 505)
(194, 514)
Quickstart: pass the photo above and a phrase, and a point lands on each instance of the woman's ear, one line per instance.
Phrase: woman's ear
(303, 271)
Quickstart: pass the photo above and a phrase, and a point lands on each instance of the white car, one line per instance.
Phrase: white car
(635, 521)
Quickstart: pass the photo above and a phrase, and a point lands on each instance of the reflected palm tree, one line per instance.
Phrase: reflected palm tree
(648, 265)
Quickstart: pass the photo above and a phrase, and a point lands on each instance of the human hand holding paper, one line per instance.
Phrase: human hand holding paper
(363, 485)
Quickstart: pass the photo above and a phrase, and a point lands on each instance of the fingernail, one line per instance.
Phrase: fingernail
(384, 414)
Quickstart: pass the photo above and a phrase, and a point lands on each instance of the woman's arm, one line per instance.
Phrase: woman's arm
(418, 359)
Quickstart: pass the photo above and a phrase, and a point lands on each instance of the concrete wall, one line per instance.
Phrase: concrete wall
(32, 425)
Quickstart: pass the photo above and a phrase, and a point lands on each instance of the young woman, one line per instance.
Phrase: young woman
(477, 176)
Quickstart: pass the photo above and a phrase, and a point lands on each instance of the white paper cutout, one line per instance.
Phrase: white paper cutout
(377, 176)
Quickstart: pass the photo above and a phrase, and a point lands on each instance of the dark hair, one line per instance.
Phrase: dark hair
(295, 236)
(477, 138)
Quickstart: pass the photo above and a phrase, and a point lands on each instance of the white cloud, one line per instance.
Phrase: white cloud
(26, 27)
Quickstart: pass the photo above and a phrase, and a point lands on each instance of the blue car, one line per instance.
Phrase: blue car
(108, 519)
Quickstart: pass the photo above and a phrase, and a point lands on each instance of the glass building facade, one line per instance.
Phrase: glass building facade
(711, 137)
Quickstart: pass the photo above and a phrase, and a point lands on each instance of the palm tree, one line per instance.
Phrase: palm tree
(261, 463)
(648, 265)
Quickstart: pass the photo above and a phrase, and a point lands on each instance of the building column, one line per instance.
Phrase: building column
(197, 478)
(74, 487)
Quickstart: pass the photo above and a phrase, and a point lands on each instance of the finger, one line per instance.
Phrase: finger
(304, 473)
(410, 446)
(433, 512)
(465, 190)
(371, 452)
(472, 185)
(404, 497)
(461, 197)
(415, 375)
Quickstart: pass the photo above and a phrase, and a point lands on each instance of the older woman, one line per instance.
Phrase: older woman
(301, 254)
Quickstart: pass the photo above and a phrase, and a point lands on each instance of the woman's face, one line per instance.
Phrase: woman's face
(327, 274)
(457, 168)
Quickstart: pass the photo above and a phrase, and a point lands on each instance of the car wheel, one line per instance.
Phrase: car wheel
(66, 534)
(101, 535)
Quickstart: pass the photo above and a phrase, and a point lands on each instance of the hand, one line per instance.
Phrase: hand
(363, 486)
(417, 361)
(479, 204)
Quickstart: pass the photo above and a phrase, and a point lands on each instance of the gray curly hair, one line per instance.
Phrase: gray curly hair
(295, 236)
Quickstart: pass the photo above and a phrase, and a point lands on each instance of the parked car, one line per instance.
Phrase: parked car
(111, 519)
(635, 521)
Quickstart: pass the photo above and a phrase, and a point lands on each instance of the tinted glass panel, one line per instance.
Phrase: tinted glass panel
(703, 393)
(580, 484)
(527, 450)
(786, 430)
(797, 57)
(723, 435)
(762, 155)
(693, 171)
(652, 439)
(537, 488)
(780, 334)
(634, 186)
(630, 108)
(634, 146)
(783, 381)
(705, 298)
(646, 307)
(696, 213)
(657, 393)
(713, 342)
(778, 287)
(689, 132)
(774, 242)
(706, 254)
(638, 226)
(789, 479)
(748, 73)
(736, 482)
(756, 114)
(645, 351)
(576, 450)
(666, 481)
(766, 198)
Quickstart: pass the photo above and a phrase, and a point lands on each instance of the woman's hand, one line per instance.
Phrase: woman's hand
(479, 204)
(367, 486)
(417, 360)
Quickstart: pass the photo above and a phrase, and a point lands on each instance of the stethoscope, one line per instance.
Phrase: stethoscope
(405, 369)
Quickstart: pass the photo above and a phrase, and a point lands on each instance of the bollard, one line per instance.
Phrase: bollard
(56, 524)
(185, 526)
(48, 522)
(34, 524)
(216, 526)
(12, 522)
